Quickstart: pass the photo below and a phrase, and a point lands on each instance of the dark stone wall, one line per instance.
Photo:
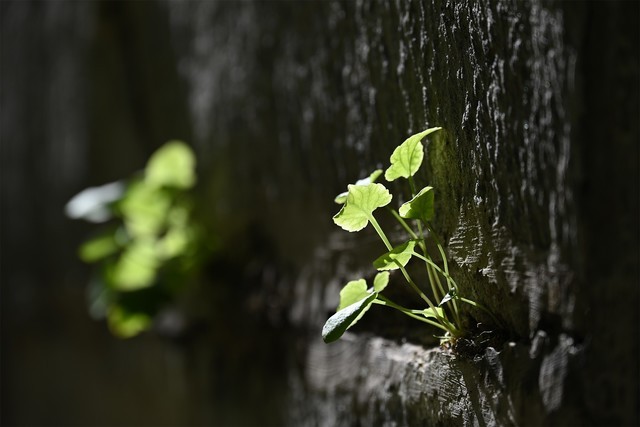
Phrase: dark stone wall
(536, 179)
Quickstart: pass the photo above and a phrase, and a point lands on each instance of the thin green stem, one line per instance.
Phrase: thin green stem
(439, 245)
(432, 274)
(383, 236)
(421, 243)
(434, 265)
(433, 280)
(411, 313)
(450, 280)
(412, 186)
(412, 284)
(403, 223)
(437, 278)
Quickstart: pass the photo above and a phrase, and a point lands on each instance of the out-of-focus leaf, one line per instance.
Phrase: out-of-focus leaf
(144, 209)
(92, 204)
(98, 248)
(136, 267)
(172, 165)
(125, 324)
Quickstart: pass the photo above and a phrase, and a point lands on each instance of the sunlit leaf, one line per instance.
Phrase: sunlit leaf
(381, 281)
(98, 248)
(397, 257)
(429, 312)
(407, 157)
(136, 267)
(337, 324)
(172, 165)
(353, 292)
(144, 208)
(342, 197)
(420, 207)
(362, 200)
(125, 324)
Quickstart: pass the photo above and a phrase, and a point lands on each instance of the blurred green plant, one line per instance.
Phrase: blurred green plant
(359, 203)
(150, 246)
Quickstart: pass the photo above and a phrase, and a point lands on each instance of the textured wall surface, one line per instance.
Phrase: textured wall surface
(536, 180)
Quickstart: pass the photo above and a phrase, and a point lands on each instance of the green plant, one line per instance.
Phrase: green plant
(359, 203)
(150, 245)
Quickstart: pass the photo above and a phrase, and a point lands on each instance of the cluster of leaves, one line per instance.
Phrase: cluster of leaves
(359, 203)
(149, 244)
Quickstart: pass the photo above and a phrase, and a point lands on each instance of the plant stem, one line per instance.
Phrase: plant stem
(383, 236)
(450, 280)
(437, 277)
(413, 285)
(422, 245)
(434, 265)
(411, 313)
(403, 223)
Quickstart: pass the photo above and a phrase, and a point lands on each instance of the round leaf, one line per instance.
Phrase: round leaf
(362, 200)
(342, 197)
(172, 165)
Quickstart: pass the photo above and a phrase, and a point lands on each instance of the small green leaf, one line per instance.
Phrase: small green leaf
(125, 324)
(337, 324)
(362, 200)
(448, 297)
(172, 165)
(407, 157)
(420, 207)
(396, 258)
(136, 268)
(144, 209)
(352, 292)
(381, 281)
(429, 312)
(98, 248)
(342, 197)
